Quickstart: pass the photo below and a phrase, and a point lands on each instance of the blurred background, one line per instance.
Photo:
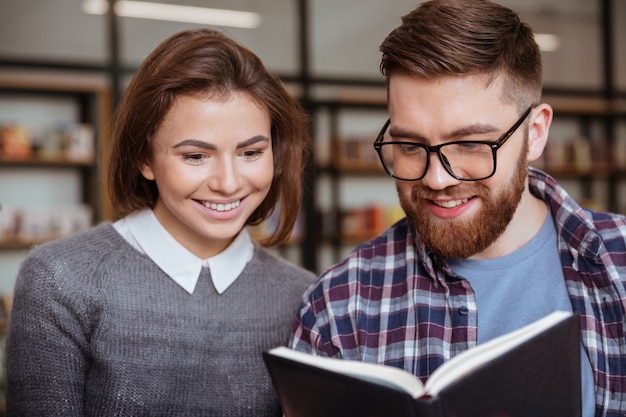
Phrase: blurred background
(63, 64)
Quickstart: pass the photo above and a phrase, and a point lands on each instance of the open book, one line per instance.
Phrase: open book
(533, 371)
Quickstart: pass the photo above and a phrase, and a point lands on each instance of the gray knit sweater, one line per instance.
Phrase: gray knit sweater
(97, 329)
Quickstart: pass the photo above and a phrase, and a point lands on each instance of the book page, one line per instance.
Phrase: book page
(378, 373)
(467, 361)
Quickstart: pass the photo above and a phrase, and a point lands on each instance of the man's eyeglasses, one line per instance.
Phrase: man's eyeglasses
(465, 160)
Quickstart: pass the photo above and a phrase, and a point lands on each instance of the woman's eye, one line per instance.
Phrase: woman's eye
(193, 158)
(252, 154)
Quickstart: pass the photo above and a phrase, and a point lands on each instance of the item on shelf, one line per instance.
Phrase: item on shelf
(577, 154)
(394, 214)
(355, 154)
(580, 149)
(365, 222)
(15, 141)
(10, 223)
(601, 157)
(29, 225)
(267, 227)
(326, 223)
(67, 141)
(50, 144)
(80, 142)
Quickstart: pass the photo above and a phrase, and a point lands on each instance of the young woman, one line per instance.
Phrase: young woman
(167, 310)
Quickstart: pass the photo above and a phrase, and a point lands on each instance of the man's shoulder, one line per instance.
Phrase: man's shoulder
(604, 219)
(567, 211)
(611, 226)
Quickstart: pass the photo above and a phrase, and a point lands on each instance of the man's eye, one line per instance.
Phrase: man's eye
(409, 149)
(473, 147)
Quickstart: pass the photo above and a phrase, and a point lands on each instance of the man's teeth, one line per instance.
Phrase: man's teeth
(221, 206)
(451, 203)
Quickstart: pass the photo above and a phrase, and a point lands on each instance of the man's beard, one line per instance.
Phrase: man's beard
(455, 238)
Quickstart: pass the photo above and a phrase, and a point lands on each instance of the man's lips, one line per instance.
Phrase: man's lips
(450, 203)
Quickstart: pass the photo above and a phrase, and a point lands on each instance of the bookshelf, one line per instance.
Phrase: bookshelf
(53, 142)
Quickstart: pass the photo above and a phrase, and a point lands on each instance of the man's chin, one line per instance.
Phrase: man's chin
(458, 238)
(455, 251)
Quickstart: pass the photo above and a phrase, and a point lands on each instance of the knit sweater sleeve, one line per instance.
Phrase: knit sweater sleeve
(47, 341)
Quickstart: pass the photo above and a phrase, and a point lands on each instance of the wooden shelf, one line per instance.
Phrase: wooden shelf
(580, 105)
(47, 162)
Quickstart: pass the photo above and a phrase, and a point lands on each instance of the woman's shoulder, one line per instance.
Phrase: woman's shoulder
(77, 256)
(69, 267)
(98, 239)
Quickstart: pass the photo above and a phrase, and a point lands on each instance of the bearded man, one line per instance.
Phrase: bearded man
(488, 243)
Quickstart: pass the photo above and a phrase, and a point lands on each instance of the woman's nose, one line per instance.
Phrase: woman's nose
(225, 178)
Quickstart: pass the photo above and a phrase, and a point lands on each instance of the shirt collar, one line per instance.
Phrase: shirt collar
(227, 265)
(182, 266)
(570, 218)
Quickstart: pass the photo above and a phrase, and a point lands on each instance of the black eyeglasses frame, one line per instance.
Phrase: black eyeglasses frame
(494, 145)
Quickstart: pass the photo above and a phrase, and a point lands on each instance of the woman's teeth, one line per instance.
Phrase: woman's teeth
(451, 203)
(221, 206)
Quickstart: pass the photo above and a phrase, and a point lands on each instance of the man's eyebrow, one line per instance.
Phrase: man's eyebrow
(398, 132)
(474, 129)
(211, 147)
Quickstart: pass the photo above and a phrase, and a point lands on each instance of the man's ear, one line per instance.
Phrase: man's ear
(146, 170)
(538, 129)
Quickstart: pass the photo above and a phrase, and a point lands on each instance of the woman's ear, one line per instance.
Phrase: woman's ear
(146, 170)
(538, 129)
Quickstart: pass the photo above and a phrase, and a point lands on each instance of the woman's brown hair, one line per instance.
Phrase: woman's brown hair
(467, 37)
(206, 61)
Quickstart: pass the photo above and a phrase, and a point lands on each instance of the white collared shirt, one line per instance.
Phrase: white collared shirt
(144, 232)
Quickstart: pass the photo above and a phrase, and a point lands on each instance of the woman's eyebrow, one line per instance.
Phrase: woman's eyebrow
(196, 143)
(210, 146)
(252, 141)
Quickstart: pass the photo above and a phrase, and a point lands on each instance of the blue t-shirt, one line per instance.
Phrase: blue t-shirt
(519, 288)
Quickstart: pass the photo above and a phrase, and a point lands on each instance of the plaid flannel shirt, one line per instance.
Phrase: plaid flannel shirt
(392, 301)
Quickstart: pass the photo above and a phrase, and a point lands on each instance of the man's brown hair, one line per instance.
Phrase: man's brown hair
(467, 37)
